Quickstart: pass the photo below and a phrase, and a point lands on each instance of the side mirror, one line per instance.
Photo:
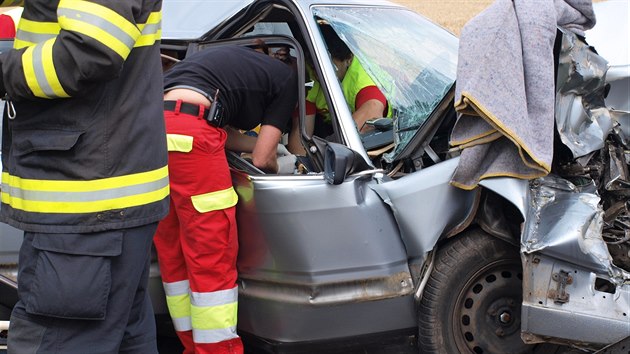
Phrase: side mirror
(340, 161)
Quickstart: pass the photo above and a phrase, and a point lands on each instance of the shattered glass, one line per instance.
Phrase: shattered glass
(411, 60)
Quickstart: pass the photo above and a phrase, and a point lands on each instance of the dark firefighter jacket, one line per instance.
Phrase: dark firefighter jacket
(86, 148)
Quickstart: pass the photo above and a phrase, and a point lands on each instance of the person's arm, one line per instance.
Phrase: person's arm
(369, 110)
(264, 153)
(370, 103)
(94, 40)
(237, 141)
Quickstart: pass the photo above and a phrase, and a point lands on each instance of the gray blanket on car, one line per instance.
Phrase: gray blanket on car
(505, 88)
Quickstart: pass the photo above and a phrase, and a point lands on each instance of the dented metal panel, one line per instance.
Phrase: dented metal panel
(583, 120)
(576, 239)
(566, 224)
(596, 311)
(426, 206)
(572, 290)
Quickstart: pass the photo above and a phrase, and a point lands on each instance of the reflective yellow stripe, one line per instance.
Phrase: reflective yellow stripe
(87, 18)
(155, 18)
(103, 12)
(101, 24)
(49, 70)
(30, 33)
(178, 305)
(179, 143)
(19, 44)
(29, 73)
(39, 71)
(218, 200)
(38, 27)
(84, 207)
(214, 317)
(97, 33)
(85, 186)
(148, 39)
(11, 3)
(47, 196)
(151, 31)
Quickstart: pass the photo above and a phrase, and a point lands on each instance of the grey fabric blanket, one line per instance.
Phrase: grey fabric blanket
(505, 88)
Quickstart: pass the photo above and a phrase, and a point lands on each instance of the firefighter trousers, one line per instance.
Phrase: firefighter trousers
(84, 293)
(197, 242)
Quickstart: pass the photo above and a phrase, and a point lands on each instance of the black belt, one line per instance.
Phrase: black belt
(187, 108)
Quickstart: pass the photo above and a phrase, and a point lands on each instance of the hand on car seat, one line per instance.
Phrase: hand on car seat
(286, 164)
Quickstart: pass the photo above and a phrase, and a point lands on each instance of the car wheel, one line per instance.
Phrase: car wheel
(472, 301)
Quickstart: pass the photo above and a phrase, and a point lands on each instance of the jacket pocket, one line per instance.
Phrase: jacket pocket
(73, 274)
(27, 141)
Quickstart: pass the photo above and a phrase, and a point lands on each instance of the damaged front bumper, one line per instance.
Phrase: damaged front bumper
(575, 243)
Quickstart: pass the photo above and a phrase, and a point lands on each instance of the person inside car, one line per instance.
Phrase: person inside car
(363, 97)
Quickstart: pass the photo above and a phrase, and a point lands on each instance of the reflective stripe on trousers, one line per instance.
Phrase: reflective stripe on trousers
(211, 316)
(197, 242)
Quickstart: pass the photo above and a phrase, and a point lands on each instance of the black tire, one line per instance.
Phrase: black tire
(472, 301)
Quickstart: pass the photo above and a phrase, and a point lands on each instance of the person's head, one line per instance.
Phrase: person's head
(260, 46)
(340, 53)
(283, 53)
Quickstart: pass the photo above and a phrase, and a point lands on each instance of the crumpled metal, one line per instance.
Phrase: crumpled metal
(582, 118)
(566, 222)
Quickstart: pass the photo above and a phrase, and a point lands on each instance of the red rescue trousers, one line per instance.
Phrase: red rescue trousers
(197, 242)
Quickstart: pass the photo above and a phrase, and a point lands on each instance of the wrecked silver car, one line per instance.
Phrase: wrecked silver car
(368, 244)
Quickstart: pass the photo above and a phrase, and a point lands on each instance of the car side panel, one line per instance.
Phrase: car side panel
(318, 261)
(426, 206)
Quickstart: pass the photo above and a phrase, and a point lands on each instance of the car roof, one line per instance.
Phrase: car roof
(186, 19)
(191, 19)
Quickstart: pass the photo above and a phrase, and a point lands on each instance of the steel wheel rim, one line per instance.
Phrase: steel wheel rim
(487, 314)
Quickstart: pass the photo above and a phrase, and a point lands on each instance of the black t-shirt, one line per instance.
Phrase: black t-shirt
(254, 87)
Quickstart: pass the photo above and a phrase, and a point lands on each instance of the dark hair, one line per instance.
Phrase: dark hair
(260, 44)
(337, 48)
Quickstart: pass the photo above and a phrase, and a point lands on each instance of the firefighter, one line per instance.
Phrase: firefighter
(84, 173)
(210, 97)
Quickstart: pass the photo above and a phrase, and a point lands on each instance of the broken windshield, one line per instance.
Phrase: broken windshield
(411, 60)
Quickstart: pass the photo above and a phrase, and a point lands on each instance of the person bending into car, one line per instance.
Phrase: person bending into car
(363, 97)
(209, 96)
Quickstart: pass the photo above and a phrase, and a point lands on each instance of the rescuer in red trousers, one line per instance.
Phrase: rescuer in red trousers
(209, 97)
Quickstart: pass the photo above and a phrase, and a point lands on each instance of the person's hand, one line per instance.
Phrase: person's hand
(282, 150)
(286, 164)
